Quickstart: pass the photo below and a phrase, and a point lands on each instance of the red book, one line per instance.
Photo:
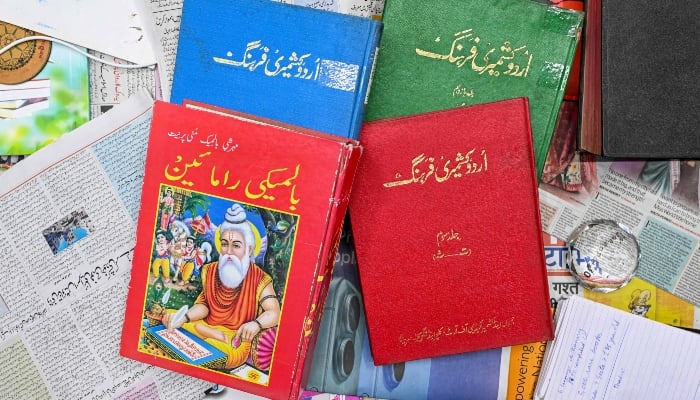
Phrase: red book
(447, 230)
(236, 238)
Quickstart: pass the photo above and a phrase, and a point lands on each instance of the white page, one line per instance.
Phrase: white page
(123, 29)
(604, 353)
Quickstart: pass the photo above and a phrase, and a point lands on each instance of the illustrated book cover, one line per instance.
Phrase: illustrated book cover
(439, 55)
(237, 232)
(294, 64)
(44, 92)
(446, 223)
(649, 110)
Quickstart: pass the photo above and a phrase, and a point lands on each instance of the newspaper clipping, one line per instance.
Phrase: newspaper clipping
(656, 199)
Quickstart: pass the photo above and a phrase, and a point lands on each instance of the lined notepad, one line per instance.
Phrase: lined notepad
(604, 353)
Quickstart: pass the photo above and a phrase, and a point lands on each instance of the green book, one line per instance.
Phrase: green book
(447, 53)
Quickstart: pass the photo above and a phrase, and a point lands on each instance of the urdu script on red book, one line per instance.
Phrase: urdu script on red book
(446, 222)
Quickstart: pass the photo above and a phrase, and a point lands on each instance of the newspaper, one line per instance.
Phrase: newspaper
(110, 85)
(68, 220)
(656, 199)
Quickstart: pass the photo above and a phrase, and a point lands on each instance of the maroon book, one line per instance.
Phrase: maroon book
(446, 222)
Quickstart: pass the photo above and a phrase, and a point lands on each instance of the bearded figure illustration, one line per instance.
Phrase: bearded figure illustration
(237, 310)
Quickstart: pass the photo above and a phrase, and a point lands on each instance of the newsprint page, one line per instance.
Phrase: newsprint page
(68, 218)
(656, 199)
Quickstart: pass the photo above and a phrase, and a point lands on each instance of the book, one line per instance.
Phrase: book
(343, 364)
(64, 81)
(442, 55)
(289, 63)
(26, 109)
(12, 104)
(433, 191)
(36, 83)
(237, 232)
(509, 372)
(597, 353)
(182, 345)
(566, 168)
(590, 137)
(633, 122)
(19, 92)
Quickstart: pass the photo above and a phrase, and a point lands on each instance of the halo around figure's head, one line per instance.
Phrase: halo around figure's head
(235, 219)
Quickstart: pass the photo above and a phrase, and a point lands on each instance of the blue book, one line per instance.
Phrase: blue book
(291, 64)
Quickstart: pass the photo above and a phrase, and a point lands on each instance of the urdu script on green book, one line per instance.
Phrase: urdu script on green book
(449, 53)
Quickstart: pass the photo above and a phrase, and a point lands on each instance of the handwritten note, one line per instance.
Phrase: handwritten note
(603, 353)
(120, 29)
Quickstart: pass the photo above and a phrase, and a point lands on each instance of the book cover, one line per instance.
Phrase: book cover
(63, 79)
(650, 110)
(293, 64)
(237, 231)
(438, 55)
(446, 222)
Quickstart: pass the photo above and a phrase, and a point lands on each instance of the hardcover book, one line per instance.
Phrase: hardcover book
(293, 64)
(650, 109)
(237, 232)
(439, 55)
(446, 222)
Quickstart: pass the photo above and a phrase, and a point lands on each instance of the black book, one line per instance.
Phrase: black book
(650, 103)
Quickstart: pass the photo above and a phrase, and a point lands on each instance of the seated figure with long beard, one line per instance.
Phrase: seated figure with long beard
(237, 310)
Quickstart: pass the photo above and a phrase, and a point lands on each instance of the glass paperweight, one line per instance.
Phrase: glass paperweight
(603, 255)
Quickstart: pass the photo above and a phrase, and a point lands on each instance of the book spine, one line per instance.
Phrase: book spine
(346, 173)
(590, 130)
(365, 79)
(24, 94)
(541, 147)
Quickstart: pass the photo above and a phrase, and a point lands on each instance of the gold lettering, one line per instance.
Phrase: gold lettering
(293, 66)
(479, 327)
(423, 167)
(496, 60)
(275, 177)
